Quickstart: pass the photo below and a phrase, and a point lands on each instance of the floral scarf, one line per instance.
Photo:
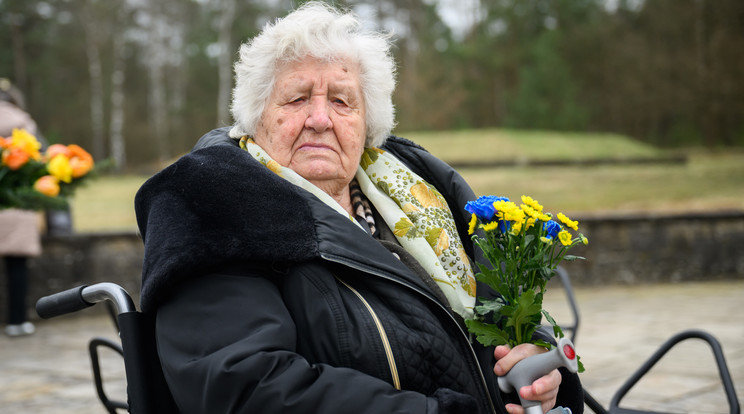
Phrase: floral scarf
(414, 210)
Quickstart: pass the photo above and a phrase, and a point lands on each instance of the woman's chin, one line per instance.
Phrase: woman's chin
(318, 169)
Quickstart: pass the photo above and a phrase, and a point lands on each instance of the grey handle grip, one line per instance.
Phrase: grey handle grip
(526, 371)
(81, 297)
(61, 303)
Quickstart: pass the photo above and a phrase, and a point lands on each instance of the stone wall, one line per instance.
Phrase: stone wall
(622, 249)
(635, 249)
(80, 259)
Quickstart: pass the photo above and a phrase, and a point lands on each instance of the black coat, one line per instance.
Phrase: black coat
(269, 301)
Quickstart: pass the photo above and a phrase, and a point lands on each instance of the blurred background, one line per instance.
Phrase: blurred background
(137, 82)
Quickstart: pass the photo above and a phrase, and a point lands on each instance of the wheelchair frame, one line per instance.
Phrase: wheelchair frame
(147, 391)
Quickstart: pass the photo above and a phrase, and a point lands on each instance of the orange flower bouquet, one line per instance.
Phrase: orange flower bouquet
(32, 180)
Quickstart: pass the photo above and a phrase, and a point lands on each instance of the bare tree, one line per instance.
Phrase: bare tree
(224, 61)
(93, 33)
(118, 75)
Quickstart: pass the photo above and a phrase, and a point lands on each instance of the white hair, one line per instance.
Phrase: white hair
(318, 31)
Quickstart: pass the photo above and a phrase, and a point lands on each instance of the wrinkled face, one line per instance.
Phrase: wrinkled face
(314, 121)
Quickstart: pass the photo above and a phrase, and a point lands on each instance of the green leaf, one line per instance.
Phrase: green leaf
(525, 310)
(571, 258)
(543, 344)
(557, 331)
(486, 334)
(489, 305)
(491, 278)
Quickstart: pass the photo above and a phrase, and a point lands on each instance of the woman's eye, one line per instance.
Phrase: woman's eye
(339, 101)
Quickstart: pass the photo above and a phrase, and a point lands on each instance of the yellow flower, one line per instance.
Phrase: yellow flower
(23, 140)
(529, 210)
(47, 185)
(473, 222)
(59, 166)
(544, 217)
(490, 226)
(532, 203)
(530, 222)
(500, 206)
(516, 215)
(546, 240)
(568, 222)
(507, 210)
(584, 239)
(564, 237)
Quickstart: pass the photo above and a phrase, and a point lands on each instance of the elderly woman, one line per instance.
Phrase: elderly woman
(306, 261)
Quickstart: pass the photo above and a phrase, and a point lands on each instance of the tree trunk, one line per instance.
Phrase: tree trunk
(224, 62)
(157, 102)
(116, 128)
(19, 55)
(704, 110)
(92, 34)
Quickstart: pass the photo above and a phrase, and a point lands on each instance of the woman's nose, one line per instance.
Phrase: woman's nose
(318, 117)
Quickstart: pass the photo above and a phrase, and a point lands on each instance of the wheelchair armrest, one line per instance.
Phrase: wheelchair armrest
(93, 345)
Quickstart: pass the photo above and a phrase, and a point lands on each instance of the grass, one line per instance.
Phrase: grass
(706, 182)
(710, 180)
(504, 144)
(106, 203)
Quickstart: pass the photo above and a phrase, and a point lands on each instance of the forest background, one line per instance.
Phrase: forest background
(139, 81)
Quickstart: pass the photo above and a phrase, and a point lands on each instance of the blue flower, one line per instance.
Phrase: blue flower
(552, 228)
(504, 225)
(483, 207)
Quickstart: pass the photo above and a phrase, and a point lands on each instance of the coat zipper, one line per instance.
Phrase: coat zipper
(381, 331)
(419, 291)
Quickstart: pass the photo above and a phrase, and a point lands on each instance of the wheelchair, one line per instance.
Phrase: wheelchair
(147, 391)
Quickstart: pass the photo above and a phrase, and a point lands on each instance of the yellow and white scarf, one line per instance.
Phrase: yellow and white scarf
(414, 210)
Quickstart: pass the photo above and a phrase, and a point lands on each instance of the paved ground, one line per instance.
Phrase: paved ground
(621, 327)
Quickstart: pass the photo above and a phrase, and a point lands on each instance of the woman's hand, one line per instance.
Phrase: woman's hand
(543, 389)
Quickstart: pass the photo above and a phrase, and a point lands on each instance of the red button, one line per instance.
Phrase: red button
(570, 353)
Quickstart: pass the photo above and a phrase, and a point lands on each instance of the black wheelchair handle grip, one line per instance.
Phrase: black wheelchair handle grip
(62, 303)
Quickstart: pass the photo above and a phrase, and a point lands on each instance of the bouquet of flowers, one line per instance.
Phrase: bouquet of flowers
(31, 180)
(523, 245)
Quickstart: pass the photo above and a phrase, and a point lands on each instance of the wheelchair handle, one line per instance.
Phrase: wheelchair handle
(529, 369)
(81, 297)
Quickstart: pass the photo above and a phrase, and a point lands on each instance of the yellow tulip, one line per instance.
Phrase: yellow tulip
(60, 167)
(25, 141)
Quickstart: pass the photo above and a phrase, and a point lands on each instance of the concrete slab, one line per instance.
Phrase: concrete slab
(620, 327)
